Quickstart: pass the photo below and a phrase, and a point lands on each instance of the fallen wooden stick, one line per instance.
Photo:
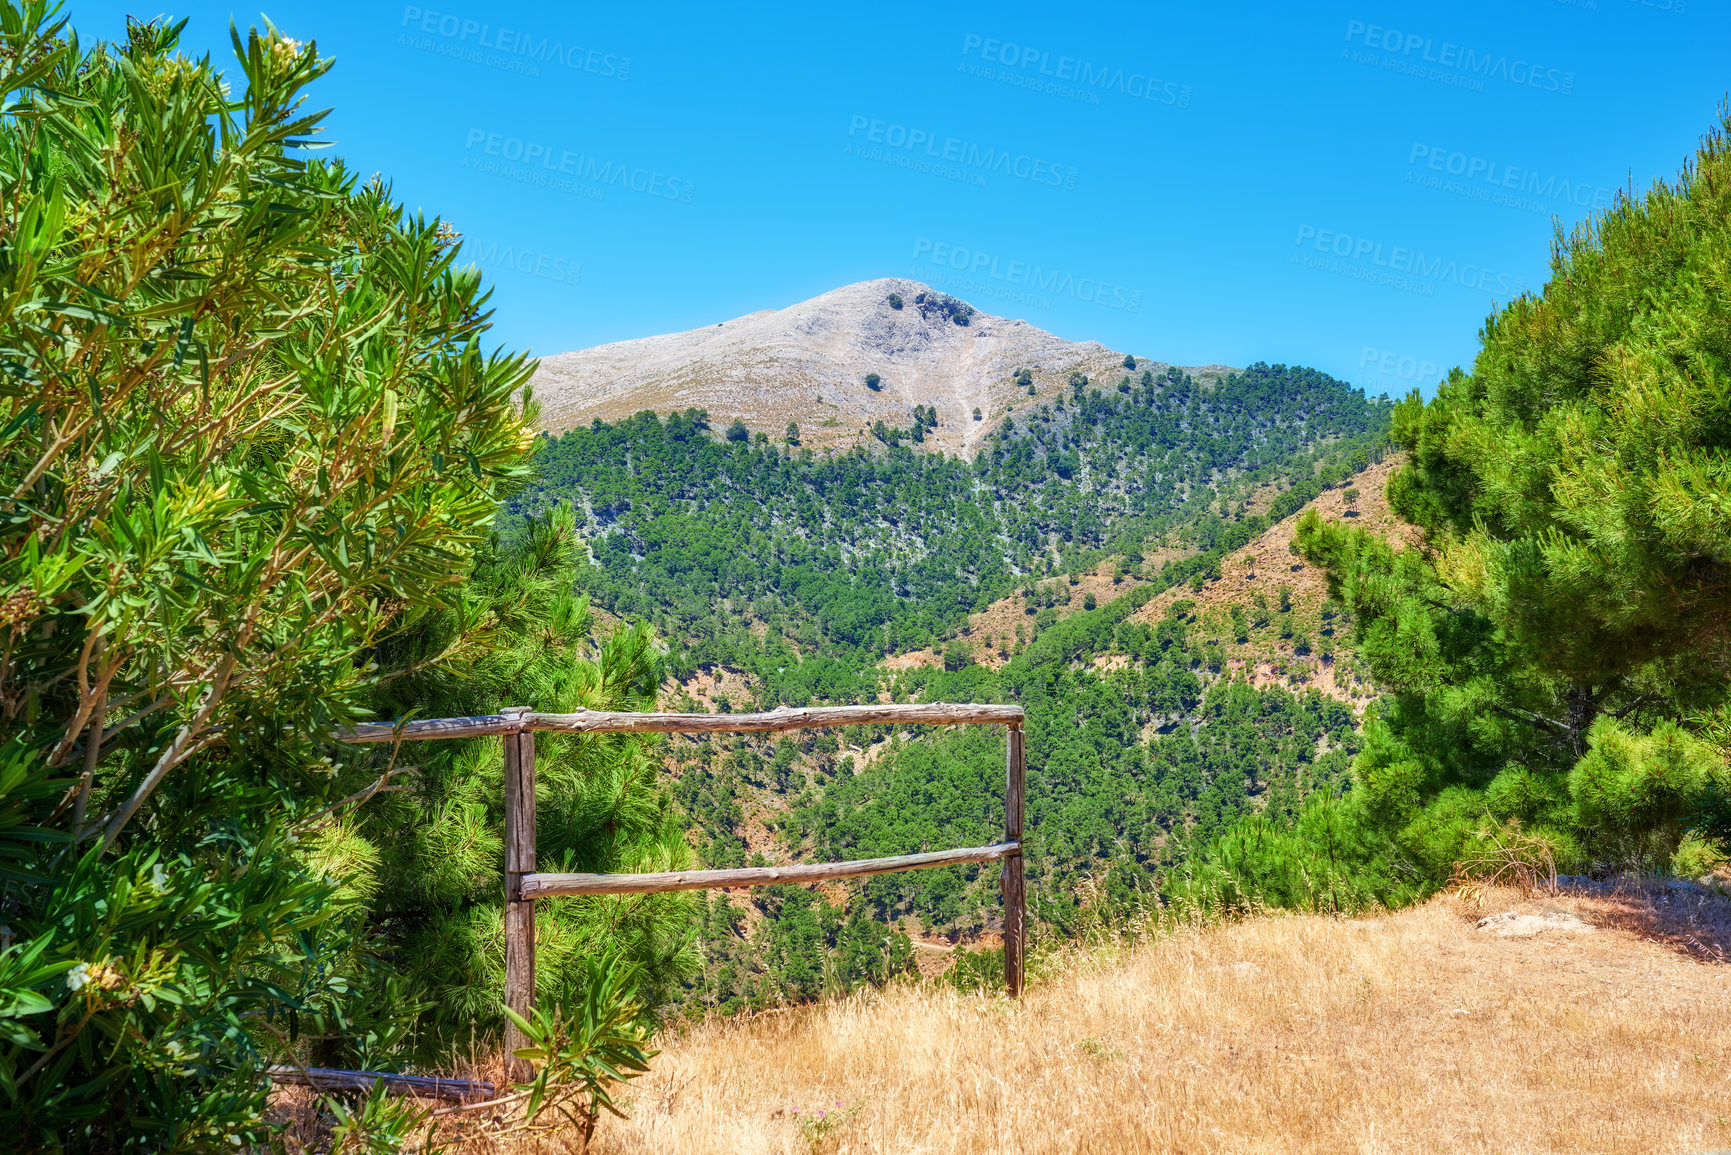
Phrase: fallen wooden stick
(421, 1086)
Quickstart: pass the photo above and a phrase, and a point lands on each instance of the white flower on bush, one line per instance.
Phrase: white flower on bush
(78, 977)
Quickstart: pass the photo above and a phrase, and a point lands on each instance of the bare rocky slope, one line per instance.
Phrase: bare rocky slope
(807, 364)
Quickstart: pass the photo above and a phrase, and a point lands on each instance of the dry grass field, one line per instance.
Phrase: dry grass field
(1601, 1023)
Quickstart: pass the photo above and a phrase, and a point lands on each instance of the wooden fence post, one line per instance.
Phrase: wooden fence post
(519, 860)
(1015, 897)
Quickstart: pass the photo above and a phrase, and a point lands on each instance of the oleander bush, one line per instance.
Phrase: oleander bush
(252, 443)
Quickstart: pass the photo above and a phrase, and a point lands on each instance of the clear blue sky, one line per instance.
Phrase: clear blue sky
(1349, 186)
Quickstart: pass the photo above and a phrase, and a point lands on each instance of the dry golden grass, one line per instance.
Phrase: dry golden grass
(1414, 1032)
(1609, 1031)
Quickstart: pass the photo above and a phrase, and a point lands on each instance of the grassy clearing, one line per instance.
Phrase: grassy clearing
(1414, 1032)
(1609, 1031)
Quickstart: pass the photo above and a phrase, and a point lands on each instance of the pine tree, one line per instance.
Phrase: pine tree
(521, 636)
(1557, 643)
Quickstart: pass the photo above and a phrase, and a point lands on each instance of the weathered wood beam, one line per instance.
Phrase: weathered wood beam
(1011, 878)
(477, 727)
(605, 722)
(785, 718)
(519, 908)
(548, 885)
(421, 1086)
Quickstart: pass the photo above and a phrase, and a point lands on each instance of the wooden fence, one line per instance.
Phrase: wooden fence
(524, 885)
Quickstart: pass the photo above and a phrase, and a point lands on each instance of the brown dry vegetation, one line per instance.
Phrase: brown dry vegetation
(1609, 1029)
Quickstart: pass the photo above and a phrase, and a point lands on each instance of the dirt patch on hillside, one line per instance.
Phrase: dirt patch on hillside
(1321, 674)
(1252, 579)
(1268, 563)
(703, 692)
(989, 636)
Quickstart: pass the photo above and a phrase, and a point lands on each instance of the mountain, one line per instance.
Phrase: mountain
(887, 547)
(807, 364)
(1080, 549)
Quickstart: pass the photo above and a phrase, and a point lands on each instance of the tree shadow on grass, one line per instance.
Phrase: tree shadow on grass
(1686, 918)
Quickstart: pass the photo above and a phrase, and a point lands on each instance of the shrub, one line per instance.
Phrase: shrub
(252, 427)
(737, 431)
(943, 305)
(1638, 792)
(1129, 361)
(895, 300)
(977, 414)
(872, 380)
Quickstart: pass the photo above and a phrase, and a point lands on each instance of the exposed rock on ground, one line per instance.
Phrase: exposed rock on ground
(1509, 924)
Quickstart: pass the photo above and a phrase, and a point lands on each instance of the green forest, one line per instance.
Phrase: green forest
(859, 555)
(267, 474)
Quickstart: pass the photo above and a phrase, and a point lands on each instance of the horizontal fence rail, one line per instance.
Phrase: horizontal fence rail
(606, 722)
(550, 885)
(523, 885)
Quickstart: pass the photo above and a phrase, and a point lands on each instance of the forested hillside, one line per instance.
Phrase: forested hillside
(805, 574)
(868, 553)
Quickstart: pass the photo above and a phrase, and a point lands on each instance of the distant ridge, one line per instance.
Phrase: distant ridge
(808, 363)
